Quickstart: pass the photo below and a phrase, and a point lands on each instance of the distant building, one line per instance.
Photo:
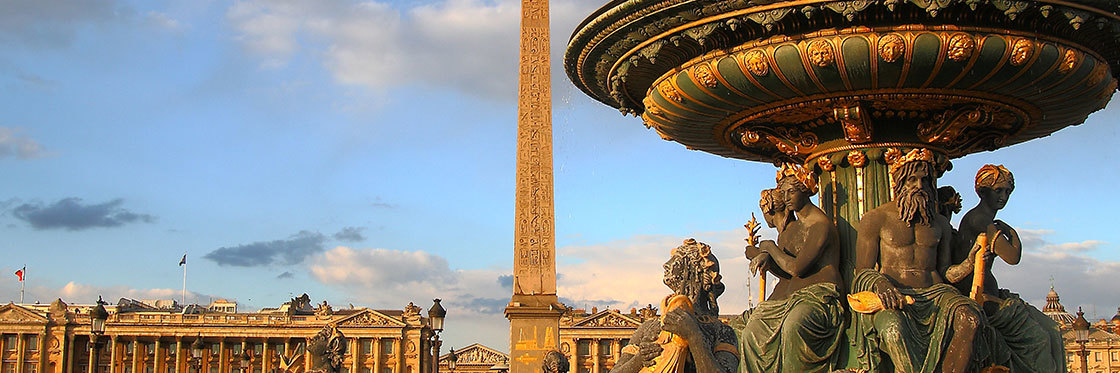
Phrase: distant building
(155, 337)
(1103, 347)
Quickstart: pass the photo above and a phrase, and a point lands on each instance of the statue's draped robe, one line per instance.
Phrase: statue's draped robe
(800, 333)
(1024, 339)
(916, 337)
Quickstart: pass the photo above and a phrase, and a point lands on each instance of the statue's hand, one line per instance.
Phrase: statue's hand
(1003, 228)
(988, 254)
(647, 350)
(760, 263)
(682, 323)
(890, 296)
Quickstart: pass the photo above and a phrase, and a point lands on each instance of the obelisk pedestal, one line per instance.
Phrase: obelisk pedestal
(534, 310)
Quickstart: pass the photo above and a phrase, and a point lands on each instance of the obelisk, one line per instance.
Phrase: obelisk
(533, 311)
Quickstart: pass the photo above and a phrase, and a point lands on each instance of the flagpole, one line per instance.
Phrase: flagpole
(22, 283)
(184, 280)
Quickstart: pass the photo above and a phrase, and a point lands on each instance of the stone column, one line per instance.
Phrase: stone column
(93, 352)
(355, 356)
(137, 358)
(596, 357)
(21, 350)
(223, 364)
(159, 363)
(179, 358)
(113, 354)
(378, 358)
(68, 367)
(266, 362)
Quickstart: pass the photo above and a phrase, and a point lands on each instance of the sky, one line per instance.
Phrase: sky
(362, 152)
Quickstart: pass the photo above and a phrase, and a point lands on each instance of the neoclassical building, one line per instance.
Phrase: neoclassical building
(140, 338)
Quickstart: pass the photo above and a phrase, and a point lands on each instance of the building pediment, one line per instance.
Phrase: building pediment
(607, 319)
(475, 354)
(370, 317)
(12, 313)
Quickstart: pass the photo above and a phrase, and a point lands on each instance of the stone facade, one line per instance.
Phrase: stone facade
(56, 339)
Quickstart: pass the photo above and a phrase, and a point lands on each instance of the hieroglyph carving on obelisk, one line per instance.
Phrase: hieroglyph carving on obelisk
(534, 247)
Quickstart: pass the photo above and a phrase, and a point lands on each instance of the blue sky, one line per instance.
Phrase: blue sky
(327, 146)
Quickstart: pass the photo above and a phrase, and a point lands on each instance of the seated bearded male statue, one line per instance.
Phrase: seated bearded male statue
(902, 249)
(798, 328)
(688, 337)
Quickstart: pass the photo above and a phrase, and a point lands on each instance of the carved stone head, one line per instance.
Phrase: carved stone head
(948, 201)
(994, 184)
(914, 179)
(693, 271)
(555, 362)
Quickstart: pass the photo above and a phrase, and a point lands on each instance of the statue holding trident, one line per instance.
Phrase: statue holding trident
(797, 328)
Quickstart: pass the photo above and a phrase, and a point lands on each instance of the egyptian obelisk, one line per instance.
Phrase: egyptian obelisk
(533, 311)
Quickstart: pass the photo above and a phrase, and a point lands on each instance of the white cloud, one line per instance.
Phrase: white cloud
(79, 293)
(13, 143)
(163, 21)
(467, 45)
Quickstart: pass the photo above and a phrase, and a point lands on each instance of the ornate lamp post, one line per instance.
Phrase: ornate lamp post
(97, 317)
(246, 359)
(436, 315)
(1081, 327)
(451, 360)
(196, 353)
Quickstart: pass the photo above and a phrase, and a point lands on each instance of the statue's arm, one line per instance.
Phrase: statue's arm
(867, 242)
(1013, 254)
(944, 246)
(769, 247)
(644, 338)
(807, 255)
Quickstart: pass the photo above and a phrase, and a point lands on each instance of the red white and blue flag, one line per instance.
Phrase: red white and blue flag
(184, 260)
(20, 272)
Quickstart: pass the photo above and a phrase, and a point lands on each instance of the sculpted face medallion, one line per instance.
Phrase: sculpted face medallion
(891, 47)
(820, 53)
(1021, 51)
(1069, 60)
(669, 92)
(756, 63)
(703, 74)
(961, 47)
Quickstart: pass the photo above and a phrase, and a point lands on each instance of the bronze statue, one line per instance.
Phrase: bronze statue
(688, 335)
(1023, 338)
(902, 249)
(327, 350)
(554, 362)
(797, 329)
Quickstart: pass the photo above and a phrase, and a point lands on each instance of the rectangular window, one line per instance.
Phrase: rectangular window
(150, 348)
(387, 370)
(10, 342)
(236, 349)
(277, 348)
(605, 348)
(213, 369)
(30, 367)
(584, 347)
(149, 369)
(128, 368)
(366, 369)
(215, 349)
(624, 342)
(367, 347)
(33, 343)
(1113, 355)
(171, 368)
(387, 347)
(258, 349)
(1097, 356)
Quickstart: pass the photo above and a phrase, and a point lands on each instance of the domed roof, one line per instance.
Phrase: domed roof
(1055, 310)
(1116, 319)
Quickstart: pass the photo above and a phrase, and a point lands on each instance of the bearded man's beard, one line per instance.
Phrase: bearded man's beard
(915, 206)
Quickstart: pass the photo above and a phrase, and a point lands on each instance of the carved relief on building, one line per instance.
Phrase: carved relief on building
(411, 310)
(12, 313)
(477, 354)
(608, 319)
(369, 318)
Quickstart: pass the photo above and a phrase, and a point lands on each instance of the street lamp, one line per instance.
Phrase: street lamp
(1081, 327)
(97, 317)
(196, 353)
(452, 359)
(245, 359)
(436, 315)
